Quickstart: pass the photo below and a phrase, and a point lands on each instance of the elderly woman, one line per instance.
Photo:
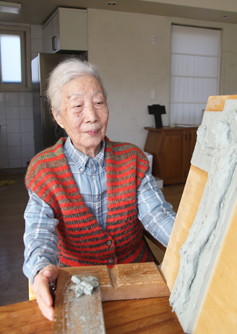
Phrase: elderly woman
(86, 193)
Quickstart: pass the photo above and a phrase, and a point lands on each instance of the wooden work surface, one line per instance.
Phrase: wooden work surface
(120, 289)
(153, 315)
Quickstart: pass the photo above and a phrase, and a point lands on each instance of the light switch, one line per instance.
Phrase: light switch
(153, 95)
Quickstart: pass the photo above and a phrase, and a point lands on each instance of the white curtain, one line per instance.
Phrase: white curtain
(195, 66)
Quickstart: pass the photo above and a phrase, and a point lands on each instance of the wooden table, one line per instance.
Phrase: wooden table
(153, 315)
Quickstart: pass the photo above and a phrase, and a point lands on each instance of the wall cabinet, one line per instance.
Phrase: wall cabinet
(172, 149)
(66, 30)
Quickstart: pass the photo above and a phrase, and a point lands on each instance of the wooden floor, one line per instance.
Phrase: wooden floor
(13, 199)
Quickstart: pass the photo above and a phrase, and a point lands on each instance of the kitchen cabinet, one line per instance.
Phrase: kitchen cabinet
(172, 149)
(66, 30)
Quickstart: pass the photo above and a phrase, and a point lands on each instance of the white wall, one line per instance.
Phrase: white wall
(229, 60)
(16, 118)
(131, 67)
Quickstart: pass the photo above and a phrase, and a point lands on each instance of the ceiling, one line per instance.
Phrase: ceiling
(38, 11)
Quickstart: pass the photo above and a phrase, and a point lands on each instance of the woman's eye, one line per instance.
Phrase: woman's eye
(99, 102)
(77, 106)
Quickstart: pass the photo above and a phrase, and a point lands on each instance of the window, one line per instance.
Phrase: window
(14, 58)
(195, 67)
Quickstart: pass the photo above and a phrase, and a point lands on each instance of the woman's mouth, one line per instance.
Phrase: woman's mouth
(92, 132)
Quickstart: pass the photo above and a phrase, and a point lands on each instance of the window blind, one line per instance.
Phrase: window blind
(195, 67)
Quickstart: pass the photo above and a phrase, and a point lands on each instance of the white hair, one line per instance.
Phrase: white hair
(65, 71)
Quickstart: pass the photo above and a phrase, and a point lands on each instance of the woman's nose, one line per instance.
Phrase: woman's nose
(91, 114)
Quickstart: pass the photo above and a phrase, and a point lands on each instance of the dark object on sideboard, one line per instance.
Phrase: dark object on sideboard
(157, 110)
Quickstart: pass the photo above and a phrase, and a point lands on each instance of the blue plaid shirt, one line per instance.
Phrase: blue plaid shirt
(40, 237)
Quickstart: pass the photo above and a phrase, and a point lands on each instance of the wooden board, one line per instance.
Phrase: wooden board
(187, 210)
(217, 103)
(218, 313)
(82, 315)
(219, 308)
(124, 281)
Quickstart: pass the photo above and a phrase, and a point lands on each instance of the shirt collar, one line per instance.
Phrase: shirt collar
(80, 159)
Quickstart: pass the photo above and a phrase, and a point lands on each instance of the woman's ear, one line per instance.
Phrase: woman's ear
(57, 118)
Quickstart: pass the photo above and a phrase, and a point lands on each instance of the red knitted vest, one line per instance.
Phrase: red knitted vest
(81, 239)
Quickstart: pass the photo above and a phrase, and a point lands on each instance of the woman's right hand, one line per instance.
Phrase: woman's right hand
(41, 290)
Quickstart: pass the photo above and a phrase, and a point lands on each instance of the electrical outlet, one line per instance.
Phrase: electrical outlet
(153, 40)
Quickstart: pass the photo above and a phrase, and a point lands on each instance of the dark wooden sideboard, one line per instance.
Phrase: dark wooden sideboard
(172, 149)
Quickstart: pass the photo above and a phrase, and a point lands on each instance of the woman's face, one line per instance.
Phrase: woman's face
(84, 114)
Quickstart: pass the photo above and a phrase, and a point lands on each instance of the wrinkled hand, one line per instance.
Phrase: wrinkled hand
(40, 288)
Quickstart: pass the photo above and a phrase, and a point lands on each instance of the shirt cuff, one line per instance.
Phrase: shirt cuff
(37, 268)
